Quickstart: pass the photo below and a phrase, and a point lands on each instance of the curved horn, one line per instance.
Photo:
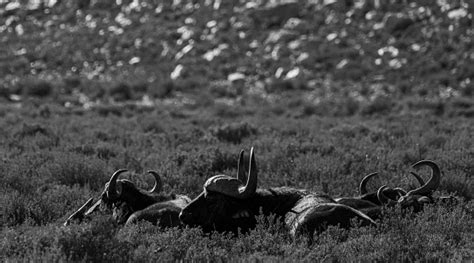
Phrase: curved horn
(434, 181)
(251, 186)
(363, 183)
(158, 183)
(79, 214)
(383, 199)
(93, 207)
(112, 191)
(83, 208)
(418, 178)
(400, 191)
(241, 167)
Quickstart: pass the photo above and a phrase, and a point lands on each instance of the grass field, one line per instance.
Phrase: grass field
(87, 90)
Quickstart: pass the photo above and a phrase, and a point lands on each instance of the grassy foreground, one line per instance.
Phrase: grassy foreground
(53, 162)
(86, 90)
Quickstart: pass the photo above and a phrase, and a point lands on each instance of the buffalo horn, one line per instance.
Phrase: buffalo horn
(400, 191)
(158, 183)
(241, 167)
(251, 186)
(383, 199)
(80, 212)
(93, 207)
(363, 183)
(113, 191)
(434, 181)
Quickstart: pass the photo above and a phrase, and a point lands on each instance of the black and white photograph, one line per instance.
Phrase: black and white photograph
(236, 131)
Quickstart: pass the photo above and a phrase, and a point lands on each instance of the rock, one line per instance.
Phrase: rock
(457, 13)
(235, 77)
(293, 73)
(176, 72)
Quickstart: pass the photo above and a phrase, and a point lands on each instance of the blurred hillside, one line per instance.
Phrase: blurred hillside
(86, 52)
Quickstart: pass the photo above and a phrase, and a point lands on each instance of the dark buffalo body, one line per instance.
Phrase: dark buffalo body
(227, 205)
(314, 212)
(165, 214)
(129, 203)
(216, 211)
(373, 210)
(371, 202)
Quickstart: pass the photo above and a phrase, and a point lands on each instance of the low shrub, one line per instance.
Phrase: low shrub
(161, 90)
(380, 105)
(205, 162)
(36, 87)
(121, 92)
(106, 110)
(106, 151)
(33, 129)
(71, 169)
(44, 204)
(234, 132)
(441, 231)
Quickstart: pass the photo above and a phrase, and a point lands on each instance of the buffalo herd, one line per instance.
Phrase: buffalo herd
(232, 204)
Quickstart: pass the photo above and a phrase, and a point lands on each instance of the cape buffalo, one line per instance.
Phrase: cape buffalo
(226, 204)
(369, 202)
(130, 204)
(418, 197)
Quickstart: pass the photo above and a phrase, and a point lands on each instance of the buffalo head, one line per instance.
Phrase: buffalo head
(123, 198)
(224, 203)
(416, 198)
(391, 193)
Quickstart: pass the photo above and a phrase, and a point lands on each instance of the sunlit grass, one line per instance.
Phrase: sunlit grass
(42, 185)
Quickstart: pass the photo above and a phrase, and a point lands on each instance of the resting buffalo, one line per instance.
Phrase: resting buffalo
(418, 197)
(226, 204)
(369, 202)
(130, 204)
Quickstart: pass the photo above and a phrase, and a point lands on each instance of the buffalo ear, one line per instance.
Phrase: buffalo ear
(118, 188)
